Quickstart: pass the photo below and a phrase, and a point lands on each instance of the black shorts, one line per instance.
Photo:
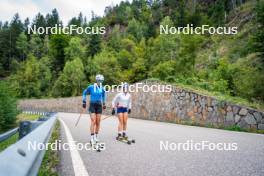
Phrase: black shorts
(95, 108)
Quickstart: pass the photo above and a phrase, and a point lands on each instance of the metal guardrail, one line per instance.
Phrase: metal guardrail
(18, 159)
(8, 134)
(35, 124)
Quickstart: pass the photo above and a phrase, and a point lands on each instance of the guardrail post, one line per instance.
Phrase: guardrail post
(24, 128)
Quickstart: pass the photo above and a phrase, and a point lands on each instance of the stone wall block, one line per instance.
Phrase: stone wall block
(237, 118)
(210, 109)
(229, 109)
(261, 126)
(250, 119)
(229, 117)
(243, 111)
(236, 109)
(214, 102)
(257, 116)
(243, 123)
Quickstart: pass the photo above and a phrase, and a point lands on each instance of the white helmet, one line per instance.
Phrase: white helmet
(99, 78)
(125, 86)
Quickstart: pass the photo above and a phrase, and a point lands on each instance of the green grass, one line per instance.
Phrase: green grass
(237, 128)
(51, 157)
(8, 142)
(221, 127)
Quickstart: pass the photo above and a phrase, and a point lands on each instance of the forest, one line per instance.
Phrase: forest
(132, 49)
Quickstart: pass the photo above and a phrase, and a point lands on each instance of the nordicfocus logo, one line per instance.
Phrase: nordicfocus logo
(190, 145)
(58, 145)
(138, 87)
(200, 30)
(68, 30)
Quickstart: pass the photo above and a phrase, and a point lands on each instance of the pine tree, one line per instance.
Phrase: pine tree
(22, 45)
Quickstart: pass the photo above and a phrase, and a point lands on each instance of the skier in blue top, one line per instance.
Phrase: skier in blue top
(97, 103)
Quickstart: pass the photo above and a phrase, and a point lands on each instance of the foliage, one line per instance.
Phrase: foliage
(22, 45)
(36, 46)
(32, 78)
(106, 63)
(133, 49)
(164, 70)
(258, 39)
(75, 49)
(8, 109)
(71, 80)
(58, 43)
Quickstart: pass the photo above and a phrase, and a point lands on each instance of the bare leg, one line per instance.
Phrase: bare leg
(125, 117)
(93, 123)
(120, 124)
(97, 122)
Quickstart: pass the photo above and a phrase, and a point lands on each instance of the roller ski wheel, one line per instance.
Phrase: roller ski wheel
(97, 147)
(131, 140)
(124, 140)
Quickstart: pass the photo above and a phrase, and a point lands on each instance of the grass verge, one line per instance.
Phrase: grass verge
(221, 127)
(14, 138)
(23, 116)
(8, 142)
(51, 157)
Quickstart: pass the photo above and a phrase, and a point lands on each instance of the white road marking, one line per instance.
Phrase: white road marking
(77, 162)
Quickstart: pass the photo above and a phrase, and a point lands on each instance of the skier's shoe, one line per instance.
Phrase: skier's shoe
(119, 137)
(96, 139)
(92, 141)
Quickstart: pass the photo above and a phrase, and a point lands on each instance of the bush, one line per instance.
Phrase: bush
(8, 109)
(164, 70)
(248, 83)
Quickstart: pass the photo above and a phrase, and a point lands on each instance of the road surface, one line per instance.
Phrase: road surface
(149, 157)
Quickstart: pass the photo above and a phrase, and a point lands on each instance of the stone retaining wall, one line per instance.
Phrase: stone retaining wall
(177, 106)
(182, 106)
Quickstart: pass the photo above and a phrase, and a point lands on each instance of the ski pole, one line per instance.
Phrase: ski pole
(106, 117)
(79, 117)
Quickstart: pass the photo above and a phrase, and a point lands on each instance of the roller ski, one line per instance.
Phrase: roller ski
(125, 139)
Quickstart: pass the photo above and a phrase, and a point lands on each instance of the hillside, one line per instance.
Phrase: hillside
(133, 49)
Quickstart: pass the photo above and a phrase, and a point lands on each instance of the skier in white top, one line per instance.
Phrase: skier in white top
(122, 102)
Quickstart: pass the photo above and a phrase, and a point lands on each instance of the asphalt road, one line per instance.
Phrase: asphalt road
(147, 157)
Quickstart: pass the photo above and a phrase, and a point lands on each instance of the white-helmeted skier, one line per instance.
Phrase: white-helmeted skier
(97, 103)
